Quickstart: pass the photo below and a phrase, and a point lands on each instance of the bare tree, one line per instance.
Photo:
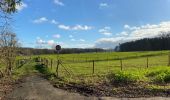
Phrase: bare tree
(7, 8)
(8, 41)
(8, 50)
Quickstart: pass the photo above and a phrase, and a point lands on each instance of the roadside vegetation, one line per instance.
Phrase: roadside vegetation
(135, 80)
(75, 73)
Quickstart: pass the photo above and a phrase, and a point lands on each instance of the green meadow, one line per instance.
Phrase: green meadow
(82, 64)
(148, 70)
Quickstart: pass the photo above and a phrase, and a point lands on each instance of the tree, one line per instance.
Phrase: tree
(160, 42)
(8, 41)
(9, 6)
(8, 50)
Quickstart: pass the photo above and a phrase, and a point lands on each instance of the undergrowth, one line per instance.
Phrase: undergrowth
(26, 69)
(159, 75)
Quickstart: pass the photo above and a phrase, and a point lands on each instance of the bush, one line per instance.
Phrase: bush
(162, 78)
(159, 78)
(157, 72)
(160, 75)
(123, 77)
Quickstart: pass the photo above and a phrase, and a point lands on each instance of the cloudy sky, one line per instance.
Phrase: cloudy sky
(89, 23)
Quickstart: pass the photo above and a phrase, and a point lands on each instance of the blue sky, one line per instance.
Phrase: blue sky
(89, 23)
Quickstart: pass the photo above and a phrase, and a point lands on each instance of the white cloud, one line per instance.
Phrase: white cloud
(103, 5)
(108, 42)
(126, 26)
(64, 27)
(84, 45)
(44, 19)
(80, 27)
(124, 33)
(54, 22)
(56, 36)
(82, 40)
(105, 31)
(75, 28)
(77, 40)
(58, 2)
(21, 6)
(134, 33)
(40, 41)
(40, 20)
(131, 28)
(51, 42)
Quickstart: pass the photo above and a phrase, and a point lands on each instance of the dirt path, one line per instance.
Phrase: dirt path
(35, 87)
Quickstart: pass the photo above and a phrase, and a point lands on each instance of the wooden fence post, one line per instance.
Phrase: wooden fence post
(147, 62)
(51, 64)
(121, 64)
(169, 60)
(57, 69)
(93, 66)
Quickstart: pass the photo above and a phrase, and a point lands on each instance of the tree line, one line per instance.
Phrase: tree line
(35, 51)
(160, 42)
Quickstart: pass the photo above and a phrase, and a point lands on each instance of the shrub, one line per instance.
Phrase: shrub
(159, 78)
(160, 75)
(123, 77)
(157, 72)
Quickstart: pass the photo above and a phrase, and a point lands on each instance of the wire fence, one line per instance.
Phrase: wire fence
(89, 66)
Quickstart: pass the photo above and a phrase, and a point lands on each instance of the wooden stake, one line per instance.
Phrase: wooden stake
(93, 66)
(147, 62)
(169, 60)
(58, 63)
(121, 64)
(51, 63)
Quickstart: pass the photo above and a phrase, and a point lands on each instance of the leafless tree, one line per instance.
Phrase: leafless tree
(7, 8)
(8, 41)
(8, 50)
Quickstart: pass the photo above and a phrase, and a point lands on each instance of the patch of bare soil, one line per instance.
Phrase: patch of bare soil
(120, 91)
(6, 86)
(35, 87)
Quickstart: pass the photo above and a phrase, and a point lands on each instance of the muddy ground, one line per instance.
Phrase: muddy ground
(35, 87)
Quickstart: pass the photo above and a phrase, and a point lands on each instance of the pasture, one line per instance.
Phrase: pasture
(107, 73)
(103, 63)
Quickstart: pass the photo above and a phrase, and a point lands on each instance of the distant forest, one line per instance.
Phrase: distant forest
(33, 51)
(161, 42)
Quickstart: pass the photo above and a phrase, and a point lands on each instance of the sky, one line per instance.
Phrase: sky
(89, 23)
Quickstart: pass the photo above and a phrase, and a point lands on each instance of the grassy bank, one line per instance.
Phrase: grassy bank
(136, 79)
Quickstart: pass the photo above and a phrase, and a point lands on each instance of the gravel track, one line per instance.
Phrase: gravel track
(35, 87)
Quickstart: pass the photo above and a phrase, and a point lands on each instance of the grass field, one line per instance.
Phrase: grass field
(140, 70)
(113, 73)
(82, 64)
